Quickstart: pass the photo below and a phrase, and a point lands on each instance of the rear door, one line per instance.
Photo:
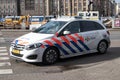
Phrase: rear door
(89, 31)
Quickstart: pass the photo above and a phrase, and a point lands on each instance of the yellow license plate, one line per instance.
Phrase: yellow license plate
(16, 51)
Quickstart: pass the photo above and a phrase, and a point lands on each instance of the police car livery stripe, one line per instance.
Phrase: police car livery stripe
(81, 50)
(42, 46)
(60, 44)
(57, 41)
(63, 50)
(71, 49)
(65, 39)
(48, 42)
(80, 37)
(85, 46)
(81, 42)
(57, 45)
(72, 38)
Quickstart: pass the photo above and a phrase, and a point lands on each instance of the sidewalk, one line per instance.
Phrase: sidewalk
(15, 30)
(113, 29)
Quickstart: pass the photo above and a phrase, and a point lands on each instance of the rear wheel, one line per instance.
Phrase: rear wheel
(50, 56)
(102, 47)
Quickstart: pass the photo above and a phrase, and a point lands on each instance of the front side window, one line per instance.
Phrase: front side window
(72, 27)
(51, 27)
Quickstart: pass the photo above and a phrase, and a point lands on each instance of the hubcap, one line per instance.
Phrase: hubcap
(102, 47)
(51, 56)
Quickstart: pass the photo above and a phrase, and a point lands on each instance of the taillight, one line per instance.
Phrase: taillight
(108, 32)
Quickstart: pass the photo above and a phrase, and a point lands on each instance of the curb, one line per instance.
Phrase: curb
(15, 30)
(113, 29)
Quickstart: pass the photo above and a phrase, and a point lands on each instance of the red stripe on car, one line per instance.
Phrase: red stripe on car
(73, 39)
(48, 42)
(80, 37)
(42, 46)
(65, 39)
(57, 41)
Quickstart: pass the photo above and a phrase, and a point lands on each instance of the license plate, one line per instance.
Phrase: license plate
(16, 51)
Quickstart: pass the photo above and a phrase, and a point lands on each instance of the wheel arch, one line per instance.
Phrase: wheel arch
(54, 48)
(104, 49)
(104, 41)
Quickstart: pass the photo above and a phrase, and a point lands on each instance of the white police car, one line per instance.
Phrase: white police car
(61, 38)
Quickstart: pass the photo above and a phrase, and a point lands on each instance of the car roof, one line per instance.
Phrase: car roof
(72, 18)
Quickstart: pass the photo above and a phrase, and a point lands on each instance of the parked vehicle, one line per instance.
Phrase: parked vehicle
(1, 21)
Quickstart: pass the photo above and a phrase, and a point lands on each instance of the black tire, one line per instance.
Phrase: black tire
(50, 56)
(102, 47)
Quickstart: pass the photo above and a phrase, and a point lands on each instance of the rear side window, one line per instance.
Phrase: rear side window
(98, 26)
(89, 26)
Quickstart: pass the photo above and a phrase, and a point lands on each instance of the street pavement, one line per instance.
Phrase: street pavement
(5, 65)
(88, 67)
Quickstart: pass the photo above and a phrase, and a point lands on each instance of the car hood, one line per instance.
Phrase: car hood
(31, 38)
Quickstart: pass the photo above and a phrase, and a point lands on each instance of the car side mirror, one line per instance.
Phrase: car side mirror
(66, 32)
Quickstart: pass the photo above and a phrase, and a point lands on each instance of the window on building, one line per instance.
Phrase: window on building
(84, 4)
(75, 11)
(75, 4)
(29, 4)
(9, 1)
(84, 9)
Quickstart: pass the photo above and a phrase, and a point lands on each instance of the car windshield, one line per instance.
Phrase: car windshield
(51, 27)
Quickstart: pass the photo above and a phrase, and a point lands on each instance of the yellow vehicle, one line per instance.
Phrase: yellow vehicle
(24, 21)
(8, 21)
(16, 21)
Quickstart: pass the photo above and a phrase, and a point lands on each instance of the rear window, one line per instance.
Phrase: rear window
(89, 26)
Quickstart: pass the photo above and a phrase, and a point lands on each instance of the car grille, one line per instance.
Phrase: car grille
(18, 47)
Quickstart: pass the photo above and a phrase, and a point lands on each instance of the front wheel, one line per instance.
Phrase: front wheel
(50, 56)
(102, 47)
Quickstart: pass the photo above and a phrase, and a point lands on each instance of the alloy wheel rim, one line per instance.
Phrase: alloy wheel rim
(51, 56)
(102, 47)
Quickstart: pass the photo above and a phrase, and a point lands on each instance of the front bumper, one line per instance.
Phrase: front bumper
(34, 55)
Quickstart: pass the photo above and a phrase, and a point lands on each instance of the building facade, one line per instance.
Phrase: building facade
(105, 7)
(66, 7)
(8, 7)
(56, 7)
(31, 7)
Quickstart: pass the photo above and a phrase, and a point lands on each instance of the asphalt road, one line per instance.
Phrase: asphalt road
(86, 67)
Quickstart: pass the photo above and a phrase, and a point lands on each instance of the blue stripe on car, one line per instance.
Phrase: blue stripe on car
(85, 46)
(70, 48)
(81, 50)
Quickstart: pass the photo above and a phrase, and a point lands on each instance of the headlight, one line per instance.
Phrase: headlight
(33, 46)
